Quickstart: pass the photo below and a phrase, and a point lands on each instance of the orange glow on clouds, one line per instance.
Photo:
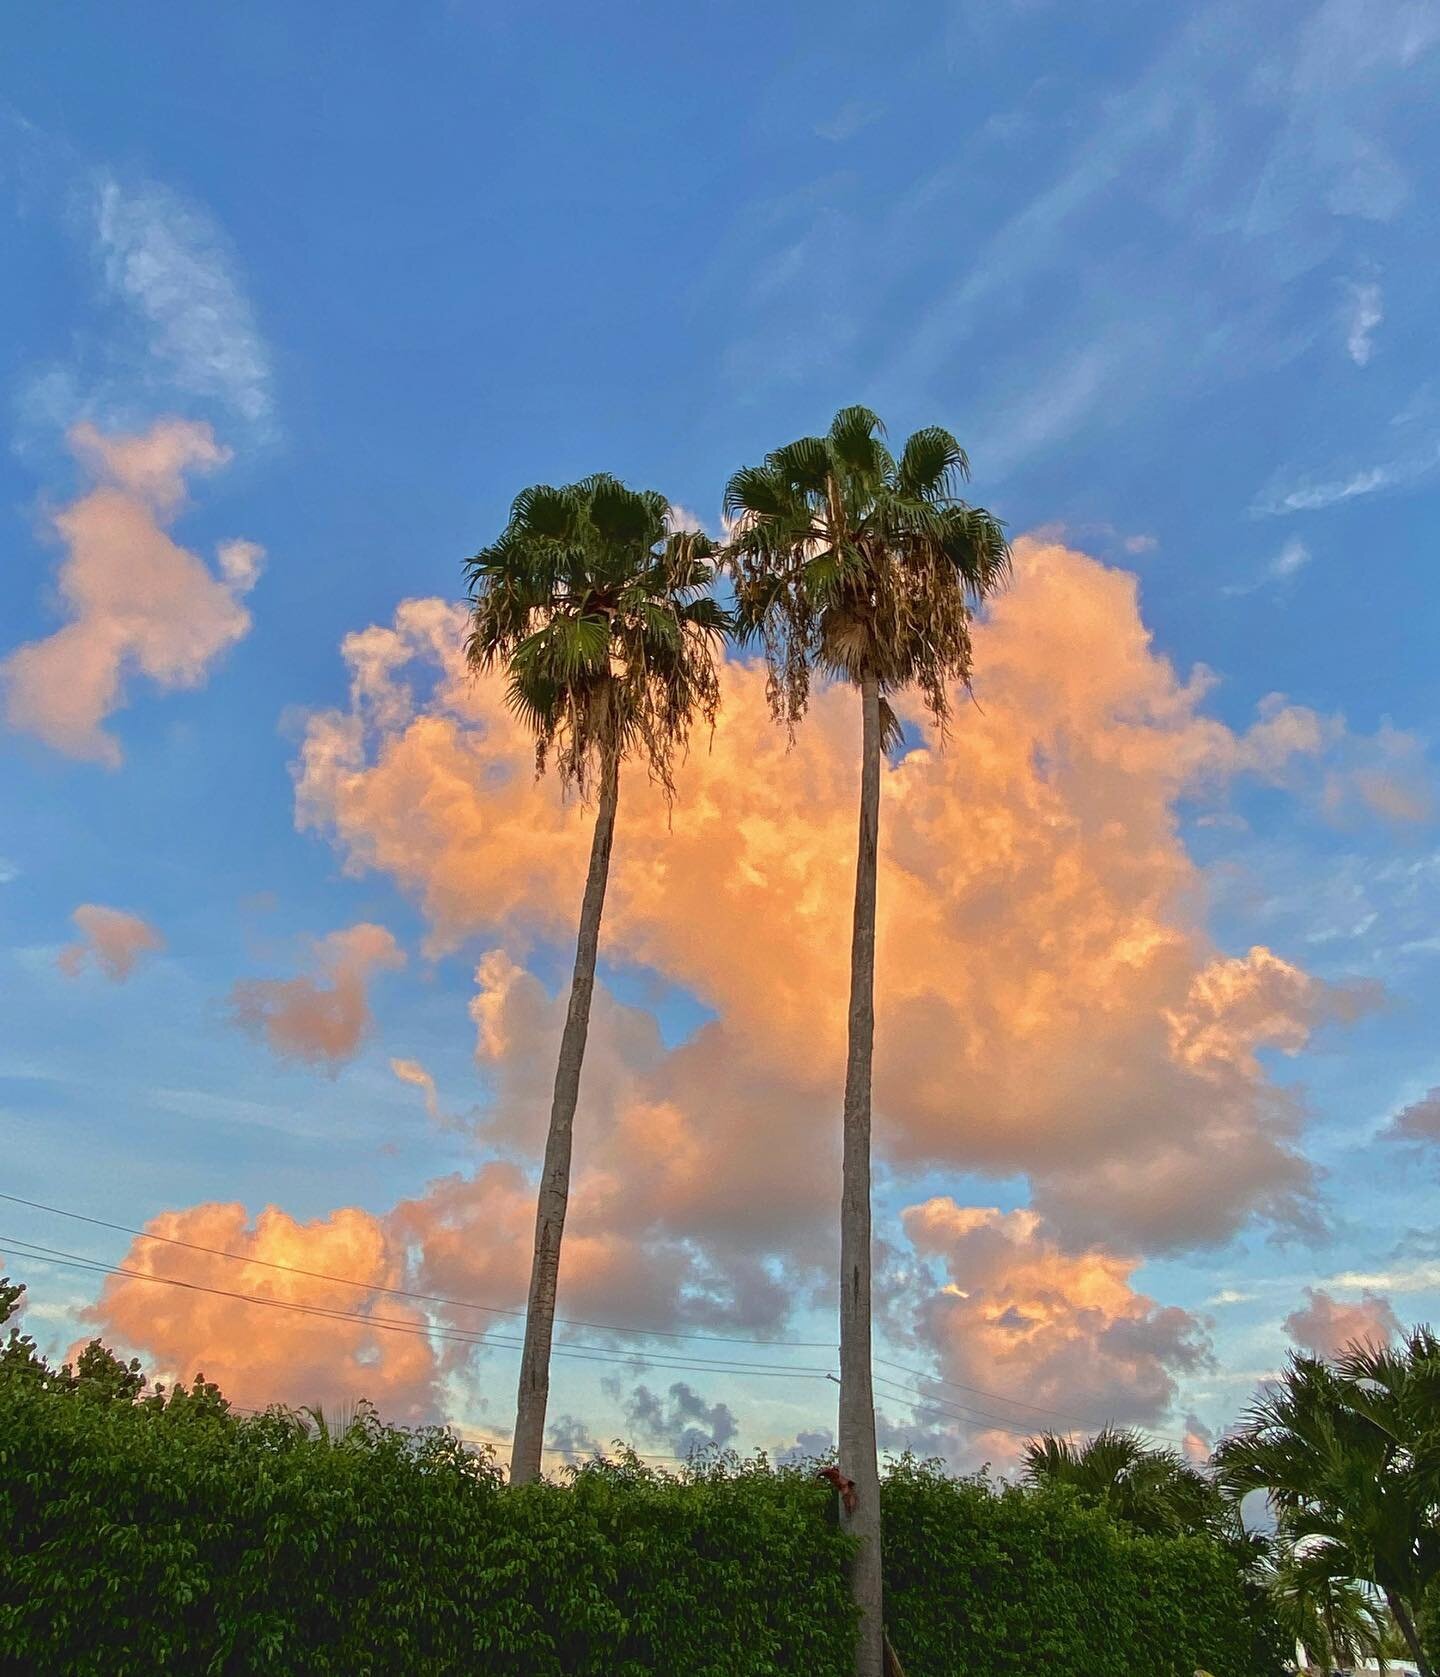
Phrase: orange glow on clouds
(135, 601)
(1050, 1002)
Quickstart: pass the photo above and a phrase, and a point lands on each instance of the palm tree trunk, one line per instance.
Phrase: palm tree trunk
(555, 1177)
(857, 1399)
(1400, 1611)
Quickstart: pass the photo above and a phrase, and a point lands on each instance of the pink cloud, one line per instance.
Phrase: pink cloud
(325, 1018)
(1065, 1329)
(136, 603)
(260, 1354)
(1102, 1044)
(1326, 1326)
(113, 939)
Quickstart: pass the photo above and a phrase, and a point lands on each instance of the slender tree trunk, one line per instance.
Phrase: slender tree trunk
(555, 1177)
(1406, 1621)
(857, 1399)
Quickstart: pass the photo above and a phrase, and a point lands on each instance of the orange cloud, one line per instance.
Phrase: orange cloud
(135, 601)
(1325, 1326)
(326, 1018)
(413, 1073)
(111, 938)
(1050, 1001)
(259, 1354)
(1065, 1330)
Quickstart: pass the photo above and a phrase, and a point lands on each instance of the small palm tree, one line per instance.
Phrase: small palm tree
(602, 620)
(1345, 1452)
(1152, 1490)
(867, 568)
(1334, 1619)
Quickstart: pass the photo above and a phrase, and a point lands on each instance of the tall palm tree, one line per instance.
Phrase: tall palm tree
(868, 569)
(1345, 1453)
(1152, 1490)
(601, 617)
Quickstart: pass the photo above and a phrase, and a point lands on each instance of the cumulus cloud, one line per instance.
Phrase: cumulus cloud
(681, 1420)
(1198, 1441)
(1326, 1326)
(326, 1017)
(260, 1354)
(136, 603)
(1018, 1313)
(1419, 1121)
(1103, 1045)
(111, 938)
(570, 1439)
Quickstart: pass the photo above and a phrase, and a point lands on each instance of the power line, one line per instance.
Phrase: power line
(401, 1292)
(600, 1327)
(601, 1354)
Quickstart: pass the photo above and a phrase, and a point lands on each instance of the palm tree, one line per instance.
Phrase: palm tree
(1334, 1619)
(868, 569)
(601, 617)
(1346, 1454)
(1152, 1490)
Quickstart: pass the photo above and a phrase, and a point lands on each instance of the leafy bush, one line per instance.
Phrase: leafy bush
(170, 1534)
(1000, 1580)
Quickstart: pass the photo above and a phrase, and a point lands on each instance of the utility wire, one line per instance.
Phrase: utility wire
(389, 1324)
(401, 1292)
(499, 1310)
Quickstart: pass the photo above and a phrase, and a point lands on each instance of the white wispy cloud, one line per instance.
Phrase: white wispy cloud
(1365, 312)
(1313, 494)
(1418, 1278)
(847, 122)
(167, 261)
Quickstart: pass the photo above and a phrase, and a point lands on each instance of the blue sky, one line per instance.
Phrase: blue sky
(1167, 271)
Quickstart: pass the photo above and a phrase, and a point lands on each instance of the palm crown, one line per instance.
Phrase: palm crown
(853, 561)
(1153, 1490)
(601, 616)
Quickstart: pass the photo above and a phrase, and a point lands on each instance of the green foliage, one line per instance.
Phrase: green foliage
(980, 1579)
(602, 619)
(851, 562)
(166, 1532)
(1348, 1454)
(1154, 1491)
(178, 1537)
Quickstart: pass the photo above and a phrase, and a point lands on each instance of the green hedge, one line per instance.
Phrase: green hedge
(999, 1580)
(178, 1538)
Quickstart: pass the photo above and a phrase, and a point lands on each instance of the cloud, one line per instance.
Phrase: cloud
(1288, 562)
(1198, 1441)
(1067, 1330)
(322, 1019)
(1325, 1326)
(847, 122)
(1365, 311)
(412, 1072)
(1420, 1121)
(570, 1439)
(136, 603)
(258, 1354)
(1103, 1046)
(1293, 557)
(682, 1419)
(1312, 494)
(111, 938)
(168, 262)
